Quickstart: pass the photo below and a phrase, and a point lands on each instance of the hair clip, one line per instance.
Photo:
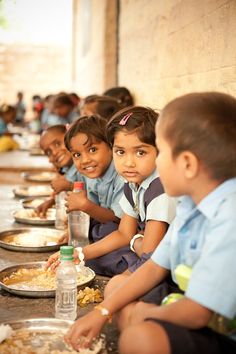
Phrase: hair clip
(124, 120)
(67, 126)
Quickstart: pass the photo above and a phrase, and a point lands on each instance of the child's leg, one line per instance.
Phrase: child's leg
(115, 282)
(154, 336)
(144, 338)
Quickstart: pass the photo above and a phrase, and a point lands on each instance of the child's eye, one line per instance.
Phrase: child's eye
(141, 153)
(92, 149)
(76, 155)
(57, 144)
(119, 152)
(48, 153)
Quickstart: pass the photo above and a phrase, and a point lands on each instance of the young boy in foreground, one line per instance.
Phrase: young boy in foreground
(196, 139)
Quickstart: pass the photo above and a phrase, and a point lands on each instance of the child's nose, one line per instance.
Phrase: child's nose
(129, 160)
(85, 158)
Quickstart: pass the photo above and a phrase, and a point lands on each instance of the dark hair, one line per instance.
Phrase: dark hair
(122, 94)
(142, 121)
(205, 124)
(6, 108)
(60, 128)
(63, 99)
(93, 126)
(106, 106)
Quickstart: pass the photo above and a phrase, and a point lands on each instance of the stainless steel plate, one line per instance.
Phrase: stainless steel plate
(32, 203)
(33, 191)
(34, 239)
(39, 176)
(42, 335)
(25, 216)
(17, 290)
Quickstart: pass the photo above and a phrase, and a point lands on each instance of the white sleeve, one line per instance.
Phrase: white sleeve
(161, 208)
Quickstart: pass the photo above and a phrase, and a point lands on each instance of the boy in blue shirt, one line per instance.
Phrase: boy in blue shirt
(196, 139)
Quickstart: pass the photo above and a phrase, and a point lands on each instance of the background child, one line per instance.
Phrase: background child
(202, 237)
(92, 156)
(64, 107)
(102, 105)
(122, 94)
(7, 115)
(146, 209)
(52, 143)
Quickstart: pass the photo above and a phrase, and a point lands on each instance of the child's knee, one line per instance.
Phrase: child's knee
(145, 337)
(113, 284)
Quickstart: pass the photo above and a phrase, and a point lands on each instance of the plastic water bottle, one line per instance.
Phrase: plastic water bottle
(78, 223)
(60, 222)
(66, 286)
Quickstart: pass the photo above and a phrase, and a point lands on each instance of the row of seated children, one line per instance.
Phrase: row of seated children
(196, 160)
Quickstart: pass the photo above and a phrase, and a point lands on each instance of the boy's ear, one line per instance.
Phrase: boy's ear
(190, 164)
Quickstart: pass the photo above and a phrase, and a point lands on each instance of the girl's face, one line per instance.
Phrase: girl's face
(91, 158)
(134, 160)
(53, 146)
(169, 169)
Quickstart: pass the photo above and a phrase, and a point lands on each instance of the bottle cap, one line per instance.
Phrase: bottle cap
(67, 253)
(79, 185)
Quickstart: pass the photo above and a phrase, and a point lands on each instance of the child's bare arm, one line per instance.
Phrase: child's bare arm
(42, 208)
(153, 234)
(79, 201)
(135, 286)
(115, 240)
(60, 184)
(184, 312)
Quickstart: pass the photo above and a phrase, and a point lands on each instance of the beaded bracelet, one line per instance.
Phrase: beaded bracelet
(80, 255)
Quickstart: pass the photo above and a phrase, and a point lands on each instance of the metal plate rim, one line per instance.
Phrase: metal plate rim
(31, 248)
(35, 293)
(32, 221)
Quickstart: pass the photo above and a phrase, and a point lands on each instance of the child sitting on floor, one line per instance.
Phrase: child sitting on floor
(196, 139)
(92, 156)
(52, 143)
(147, 209)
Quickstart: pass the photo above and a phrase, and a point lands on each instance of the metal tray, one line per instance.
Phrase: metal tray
(6, 272)
(34, 232)
(39, 176)
(50, 220)
(32, 203)
(46, 334)
(33, 191)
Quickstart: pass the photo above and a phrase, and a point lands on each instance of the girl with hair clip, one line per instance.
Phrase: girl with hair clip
(147, 210)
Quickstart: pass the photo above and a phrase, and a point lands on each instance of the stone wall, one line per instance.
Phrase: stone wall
(170, 47)
(95, 46)
(34, 70)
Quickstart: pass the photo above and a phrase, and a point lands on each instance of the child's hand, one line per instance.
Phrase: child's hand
(60, 184)
(85, 329)
(54, 260)
(41, 210)
(140, 311)
(76, 201)
(64, 238)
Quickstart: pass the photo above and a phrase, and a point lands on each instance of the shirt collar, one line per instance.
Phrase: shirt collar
(109, 174)
(145, 184)
(210, 204)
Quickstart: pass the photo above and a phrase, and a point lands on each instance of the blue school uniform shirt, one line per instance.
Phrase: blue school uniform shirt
(161, 208)
(72, 174)
(203, 237)
(107, 190)
(3, 126)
